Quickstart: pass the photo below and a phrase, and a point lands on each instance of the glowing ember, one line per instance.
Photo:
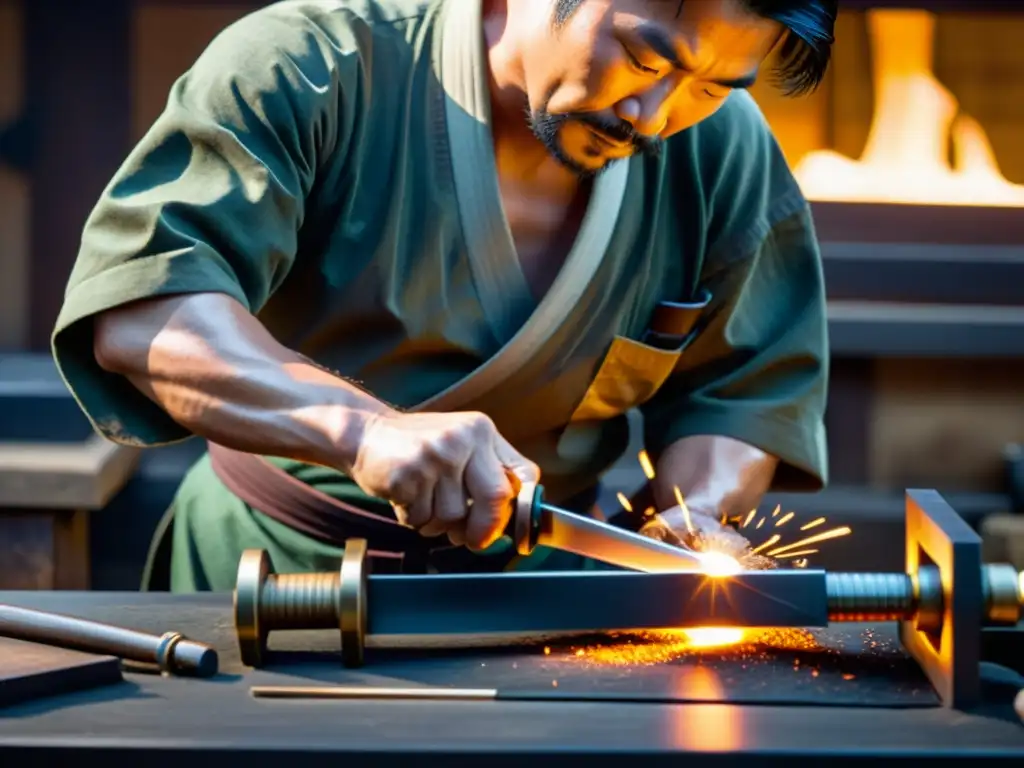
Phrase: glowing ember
(719, 564)
(684, 508)
(713, 637)
(784, 519)
(801, 553)
(767, 543)
(835, 533)
(640, 649)
(905, 158)
(624, 501)
(646, 465)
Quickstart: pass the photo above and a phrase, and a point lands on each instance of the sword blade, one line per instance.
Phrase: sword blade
(560, 529)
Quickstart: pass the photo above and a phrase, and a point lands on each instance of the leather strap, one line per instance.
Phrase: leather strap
(291, 502)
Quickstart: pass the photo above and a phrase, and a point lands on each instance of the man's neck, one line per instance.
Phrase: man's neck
(518, 152)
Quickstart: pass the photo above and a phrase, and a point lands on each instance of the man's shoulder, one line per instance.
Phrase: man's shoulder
(368, 12)
(735, 136)
(732, 168)
(338, 26)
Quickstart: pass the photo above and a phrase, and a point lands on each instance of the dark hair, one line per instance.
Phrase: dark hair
(806, 49)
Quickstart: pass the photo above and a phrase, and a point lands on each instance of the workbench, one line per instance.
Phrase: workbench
(153, 721)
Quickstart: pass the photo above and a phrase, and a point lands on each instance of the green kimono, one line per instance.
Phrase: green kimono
(329, 164)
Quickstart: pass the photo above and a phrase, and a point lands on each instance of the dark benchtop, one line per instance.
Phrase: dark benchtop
(153, 721)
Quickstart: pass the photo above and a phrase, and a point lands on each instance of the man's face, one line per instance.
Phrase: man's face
(619, 76)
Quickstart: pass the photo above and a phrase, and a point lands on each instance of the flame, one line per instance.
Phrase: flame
(716, 565)
(905, 158)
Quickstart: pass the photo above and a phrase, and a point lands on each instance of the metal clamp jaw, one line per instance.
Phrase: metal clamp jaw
(265, 601)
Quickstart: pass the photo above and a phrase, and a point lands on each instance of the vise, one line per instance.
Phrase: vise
(942, 600)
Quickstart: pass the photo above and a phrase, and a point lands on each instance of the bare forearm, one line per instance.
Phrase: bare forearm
(716, 475)
(220, 374)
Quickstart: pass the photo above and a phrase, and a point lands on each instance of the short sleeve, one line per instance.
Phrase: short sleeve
(210, 200)
(757, 368)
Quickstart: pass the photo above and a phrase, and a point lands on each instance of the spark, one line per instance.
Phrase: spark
(750, 516)
(760, 523)
(650, 512)
(713, 637)
(646, 649)
(775, 512)
(686, 510)
(768, 542)
(646, 465)
(624, 501)
(802, 563)
(835, 533)
(812, 524)
(719, 564)
(801, 553)
(784, 519)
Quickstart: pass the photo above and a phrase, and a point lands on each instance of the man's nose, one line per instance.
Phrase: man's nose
(647, 112)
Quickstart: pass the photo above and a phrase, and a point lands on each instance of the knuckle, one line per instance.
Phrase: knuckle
(443, 449)
(398, 478)
(480, 423)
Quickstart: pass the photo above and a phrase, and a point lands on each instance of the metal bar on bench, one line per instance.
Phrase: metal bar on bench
(597, 601)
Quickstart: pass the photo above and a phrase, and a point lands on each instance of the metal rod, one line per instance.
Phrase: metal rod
(370, 692)
(869, 596)
(171, 651)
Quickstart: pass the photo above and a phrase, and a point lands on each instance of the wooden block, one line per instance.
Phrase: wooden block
(82, 475)
(42, 549)
(31, 671)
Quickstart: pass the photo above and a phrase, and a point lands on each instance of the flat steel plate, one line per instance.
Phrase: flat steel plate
(848, 666)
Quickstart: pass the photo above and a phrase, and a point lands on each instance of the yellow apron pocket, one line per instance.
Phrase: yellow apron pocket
(631, 373)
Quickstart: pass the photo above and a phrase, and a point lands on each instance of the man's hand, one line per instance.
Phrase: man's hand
(697, 531)
(443, 473)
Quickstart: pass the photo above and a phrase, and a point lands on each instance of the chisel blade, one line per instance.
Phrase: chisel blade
(585, 536)
(534, 522)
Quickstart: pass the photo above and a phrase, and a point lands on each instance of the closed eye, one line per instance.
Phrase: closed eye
(635, 63)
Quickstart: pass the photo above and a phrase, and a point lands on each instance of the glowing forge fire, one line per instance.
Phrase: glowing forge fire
(905, 158)
(721, 560)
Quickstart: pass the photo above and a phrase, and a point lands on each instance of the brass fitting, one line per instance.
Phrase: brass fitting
(266, 601)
